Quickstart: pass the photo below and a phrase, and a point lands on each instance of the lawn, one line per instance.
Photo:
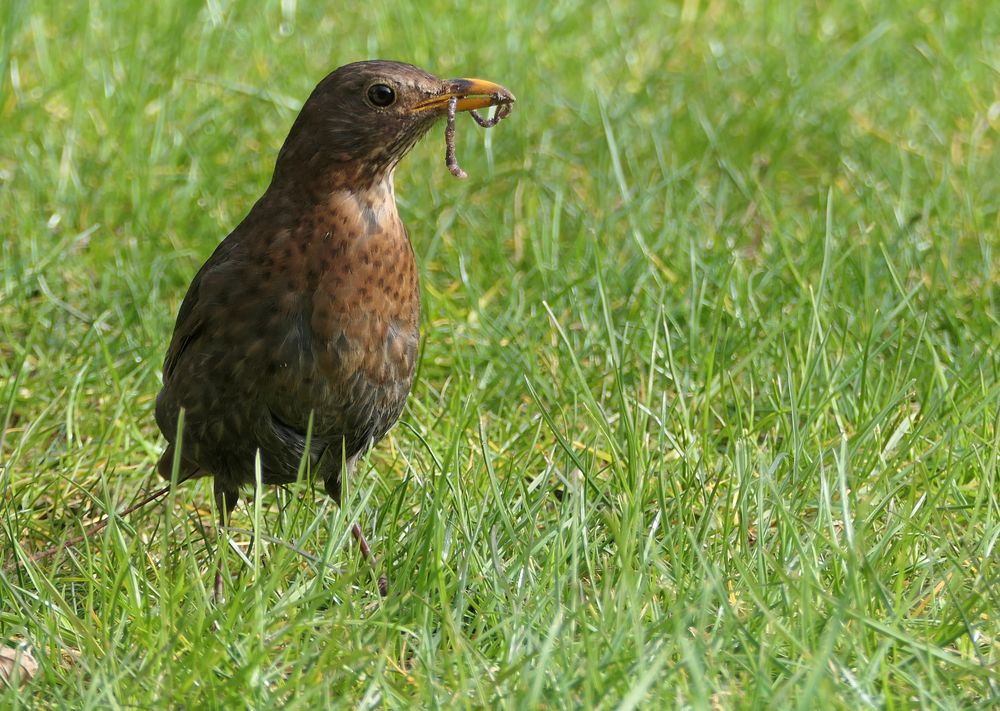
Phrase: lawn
(707, 412)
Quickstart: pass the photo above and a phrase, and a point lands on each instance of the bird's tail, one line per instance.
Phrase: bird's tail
(188, 469)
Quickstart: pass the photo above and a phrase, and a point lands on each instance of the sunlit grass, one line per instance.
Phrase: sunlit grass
(707, 405)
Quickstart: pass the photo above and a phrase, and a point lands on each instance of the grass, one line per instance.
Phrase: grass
(708, 401)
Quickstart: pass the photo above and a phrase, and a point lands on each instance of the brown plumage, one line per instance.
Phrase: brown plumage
(309, 310)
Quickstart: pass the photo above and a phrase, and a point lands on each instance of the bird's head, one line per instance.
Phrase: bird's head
(364, 117)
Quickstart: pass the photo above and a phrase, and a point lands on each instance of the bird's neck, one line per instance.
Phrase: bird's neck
(318, 171)
(362, 211)
(347, 209)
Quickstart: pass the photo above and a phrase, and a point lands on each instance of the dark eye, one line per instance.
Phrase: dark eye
(381, 95)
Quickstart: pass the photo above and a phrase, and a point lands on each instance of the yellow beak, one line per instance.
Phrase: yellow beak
(471, 94)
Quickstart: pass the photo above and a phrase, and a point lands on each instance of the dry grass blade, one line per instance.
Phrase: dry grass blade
(17, 666)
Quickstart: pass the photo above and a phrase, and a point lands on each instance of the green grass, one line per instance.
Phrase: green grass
(708, 401)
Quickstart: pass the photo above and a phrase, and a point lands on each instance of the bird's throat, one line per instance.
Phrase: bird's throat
(360, 214)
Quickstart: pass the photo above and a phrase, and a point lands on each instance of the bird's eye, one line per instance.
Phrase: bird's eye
(381, 95)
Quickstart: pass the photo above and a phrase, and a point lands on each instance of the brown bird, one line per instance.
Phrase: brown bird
(303, 325)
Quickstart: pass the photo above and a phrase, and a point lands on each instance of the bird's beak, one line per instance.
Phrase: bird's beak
(471, 94)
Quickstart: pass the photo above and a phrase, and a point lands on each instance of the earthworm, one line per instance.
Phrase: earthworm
(451, 160)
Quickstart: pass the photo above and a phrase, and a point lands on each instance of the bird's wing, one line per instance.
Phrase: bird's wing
(190, 318)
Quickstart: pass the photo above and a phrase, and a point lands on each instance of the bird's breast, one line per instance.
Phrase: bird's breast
(365, 303)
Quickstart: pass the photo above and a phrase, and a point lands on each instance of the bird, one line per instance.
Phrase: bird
(297, 339)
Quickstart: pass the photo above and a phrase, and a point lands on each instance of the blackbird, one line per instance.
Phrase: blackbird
(297, 339)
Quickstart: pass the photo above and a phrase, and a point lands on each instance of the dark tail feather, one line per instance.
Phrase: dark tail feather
(165, 466)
